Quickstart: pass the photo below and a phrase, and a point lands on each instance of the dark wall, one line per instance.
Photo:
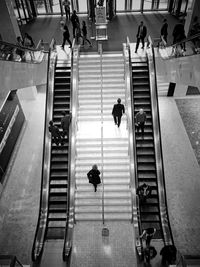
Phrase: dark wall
(11, 122)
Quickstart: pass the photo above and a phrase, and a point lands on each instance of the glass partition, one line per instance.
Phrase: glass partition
(141, 5)
(187, 47)
(11, 52)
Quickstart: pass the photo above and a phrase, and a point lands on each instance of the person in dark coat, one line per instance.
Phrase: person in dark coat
(65, 122)
(84, 34)
(148, 234)
(55, 133)
(66, 34)
(140, 120)
(168, 254)
(66, 4)
(179, 34)
(144, 192)
(75, 22)
(94, 176)
(141, 34)
(117, 112)
(163, 31)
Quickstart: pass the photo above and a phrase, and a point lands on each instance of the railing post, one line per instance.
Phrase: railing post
(102, 178)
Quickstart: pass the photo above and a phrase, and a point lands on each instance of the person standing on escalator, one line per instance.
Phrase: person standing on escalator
(140, 120)
(55, 134)
(65, 122)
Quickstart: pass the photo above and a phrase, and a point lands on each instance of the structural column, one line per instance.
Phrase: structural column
(9, 28)
(192, 11)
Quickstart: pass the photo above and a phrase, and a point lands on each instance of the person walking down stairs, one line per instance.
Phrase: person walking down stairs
(117, 112)
(94, 176)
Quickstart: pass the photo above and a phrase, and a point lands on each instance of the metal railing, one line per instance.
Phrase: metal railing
(9, 260)
(132, 149)
(72, 152)
(100, 50)
(43, 207)
(167, 233)
(192, 44)
(22, 54)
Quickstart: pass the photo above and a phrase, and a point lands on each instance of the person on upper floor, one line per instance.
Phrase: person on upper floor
(164, 31)
(141, 34)
(75, 22)
(66, 34)
(179, 34)
(66, 4)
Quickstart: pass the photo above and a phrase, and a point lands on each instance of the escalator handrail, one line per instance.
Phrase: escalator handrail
(40, 232)
(185, 40)
(24, 48)
(137, 220)
(9, 52)
(67, 247)
(166, 227)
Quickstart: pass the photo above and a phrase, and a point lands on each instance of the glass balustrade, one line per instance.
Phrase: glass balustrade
(11, 52)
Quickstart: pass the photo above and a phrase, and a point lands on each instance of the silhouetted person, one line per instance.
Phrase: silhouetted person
(149, 253)
(84, 34)
(75, 21)
(141, 34)
(65, 122)
(163, 31)
(179, 34)
(66, 34)
(117, 112)
(195, 29)
(55, 133)
(148, 235)
(168, 254)
(28, 42)
(19, 51)
(94, 176)
(143, 192)
(140, 120)
(66, 4)
(78, 33)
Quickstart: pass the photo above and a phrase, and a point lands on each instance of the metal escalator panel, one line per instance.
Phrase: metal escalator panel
(145, 152)
(58, 187)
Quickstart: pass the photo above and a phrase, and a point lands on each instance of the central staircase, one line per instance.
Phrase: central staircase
(109, 151)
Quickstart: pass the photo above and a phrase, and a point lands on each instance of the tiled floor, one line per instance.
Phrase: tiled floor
(182, 178)
(91, 248)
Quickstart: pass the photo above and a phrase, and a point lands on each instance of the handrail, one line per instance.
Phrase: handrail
(167, 232)
(43, 207)
(102, 166)
(12, 261)
(72, 135)
(21, 54)
(21, 47)
(174, 46)
(132, 144)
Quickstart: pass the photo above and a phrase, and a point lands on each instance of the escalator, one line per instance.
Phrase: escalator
(58, 186)
(145, 152)
(54, 185)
